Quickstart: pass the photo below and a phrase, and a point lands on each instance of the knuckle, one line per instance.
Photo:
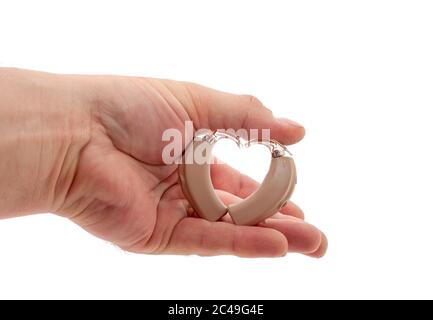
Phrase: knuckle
(252, 100)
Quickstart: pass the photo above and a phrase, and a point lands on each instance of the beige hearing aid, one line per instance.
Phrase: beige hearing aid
(273, 193)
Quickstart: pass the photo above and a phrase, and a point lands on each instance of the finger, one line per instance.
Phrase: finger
(321, 251)
(301, 236)
(201, 237)
(231, 180)
(209, 108)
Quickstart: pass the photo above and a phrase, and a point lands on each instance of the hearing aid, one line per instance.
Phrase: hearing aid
(273, 193)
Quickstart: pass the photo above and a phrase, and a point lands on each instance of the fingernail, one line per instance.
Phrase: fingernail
(290, 122)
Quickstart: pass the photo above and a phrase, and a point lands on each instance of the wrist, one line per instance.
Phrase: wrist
(45, 122)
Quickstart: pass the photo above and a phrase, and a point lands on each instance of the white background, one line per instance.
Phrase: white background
(357, 74)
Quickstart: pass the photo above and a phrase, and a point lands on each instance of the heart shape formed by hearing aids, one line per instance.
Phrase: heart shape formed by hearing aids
(273, 193)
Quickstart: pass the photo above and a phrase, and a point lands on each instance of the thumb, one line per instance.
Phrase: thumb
(213, 109)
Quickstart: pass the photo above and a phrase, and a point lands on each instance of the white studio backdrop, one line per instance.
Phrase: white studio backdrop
(357, 74)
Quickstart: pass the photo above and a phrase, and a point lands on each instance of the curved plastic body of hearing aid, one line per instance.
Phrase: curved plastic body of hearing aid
(197, 184)
(273, 193)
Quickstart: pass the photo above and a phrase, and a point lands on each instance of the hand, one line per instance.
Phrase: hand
(111, 180)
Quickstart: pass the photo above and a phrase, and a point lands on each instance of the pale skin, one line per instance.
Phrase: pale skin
(88, 148)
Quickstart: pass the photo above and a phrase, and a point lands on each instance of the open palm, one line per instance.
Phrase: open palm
(124, 193)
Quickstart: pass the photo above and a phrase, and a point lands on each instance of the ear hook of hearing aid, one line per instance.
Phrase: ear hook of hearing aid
(219, 135)
(277, 149)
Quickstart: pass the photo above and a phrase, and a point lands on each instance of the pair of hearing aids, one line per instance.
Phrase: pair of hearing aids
(273, 193)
